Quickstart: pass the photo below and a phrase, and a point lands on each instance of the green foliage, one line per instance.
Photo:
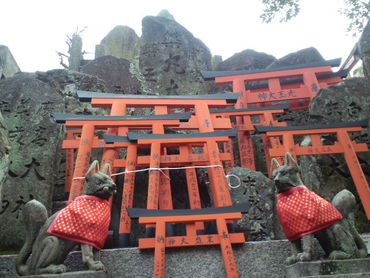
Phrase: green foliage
(283, 9)
(357, 11)
(359, 71)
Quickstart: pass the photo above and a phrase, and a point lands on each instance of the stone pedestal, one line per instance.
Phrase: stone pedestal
(330, 268)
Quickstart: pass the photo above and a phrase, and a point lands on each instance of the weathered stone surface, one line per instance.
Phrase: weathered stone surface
(27, 104)
(67, 83)
(254, 259)
(328, 174)
(345, 102)
(4, 152)
(216, 60)
(74, 274)
(75, 53)
(257, 259)
(364, 49)
(334, 267)
(8, 65)
(171, 58)
(247, 60)
(166, 14)
(121, 42)
(36, 167)
(261, 221)
(116, 74)
(303, 56)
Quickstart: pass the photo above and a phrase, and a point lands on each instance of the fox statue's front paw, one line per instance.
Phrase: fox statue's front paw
(96, 265)
(304, 256)
(291, 260)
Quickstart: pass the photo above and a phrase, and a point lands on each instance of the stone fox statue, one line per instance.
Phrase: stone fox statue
(305, 215)
(84, 221)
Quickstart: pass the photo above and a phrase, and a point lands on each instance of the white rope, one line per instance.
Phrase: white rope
(177, 168)
(239, 182)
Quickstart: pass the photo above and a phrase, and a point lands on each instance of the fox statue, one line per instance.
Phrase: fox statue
(305, 215)
(84, 221)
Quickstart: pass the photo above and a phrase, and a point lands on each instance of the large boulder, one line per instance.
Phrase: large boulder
(36, 169)
(4, 152)
(8, 65)
(166, 14)
(364, 49)
(171, 58)
(303, 56)
(344, 102)
(27, 104)
(261, 220)
(121, 42)
(347, 101)
(246, 60)
(116, 74)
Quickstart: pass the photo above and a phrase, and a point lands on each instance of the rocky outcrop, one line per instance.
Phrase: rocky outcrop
(171, 58)
(303, 56)
(36, 169)
(216, 60)
(4, 152)
(121, 42)
(345, 102)
(328, 174)
(27, 104)
(246, 60)
(8, 65)
(364, 49)
(261, 220)
(116, 74)
(75, 52)
(166, 14)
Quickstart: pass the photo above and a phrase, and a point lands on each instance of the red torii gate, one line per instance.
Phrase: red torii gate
(132, 162)
(161, 241)
(202, 121)
(210, 157)
(200, 103)
(291, 83)
(296, 85)
(88, 125)
(245, 125)
(344, 145)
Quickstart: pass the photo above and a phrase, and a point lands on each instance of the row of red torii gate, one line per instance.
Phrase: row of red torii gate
(204, 127)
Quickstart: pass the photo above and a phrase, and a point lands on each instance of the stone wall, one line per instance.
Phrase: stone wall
(36, 169)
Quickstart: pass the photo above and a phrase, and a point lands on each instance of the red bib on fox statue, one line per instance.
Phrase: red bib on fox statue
(303, 212)
(85, 220)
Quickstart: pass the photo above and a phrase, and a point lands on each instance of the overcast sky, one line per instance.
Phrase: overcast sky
(35, 29)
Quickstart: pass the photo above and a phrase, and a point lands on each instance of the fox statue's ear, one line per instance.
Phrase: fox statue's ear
(290, 161)
(94, 168)
(274, 165)
(107, 170)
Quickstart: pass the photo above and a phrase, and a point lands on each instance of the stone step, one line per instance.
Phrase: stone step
(74, 274)
(328, 267)
(351, 275)
(254, 260)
